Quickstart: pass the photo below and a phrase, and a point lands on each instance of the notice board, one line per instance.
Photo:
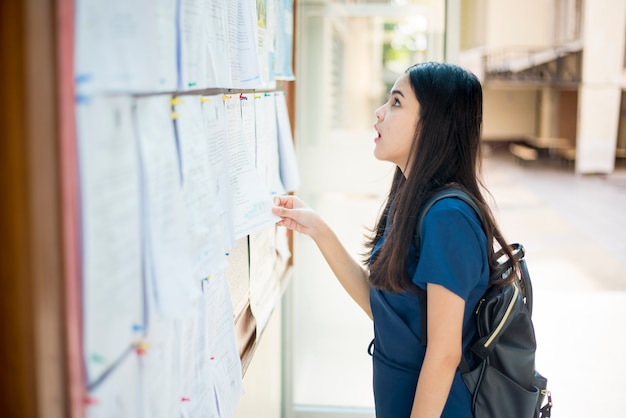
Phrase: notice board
(183, 136)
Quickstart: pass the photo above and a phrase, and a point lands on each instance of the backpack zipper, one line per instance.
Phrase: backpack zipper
(479, 305)
(504, 318)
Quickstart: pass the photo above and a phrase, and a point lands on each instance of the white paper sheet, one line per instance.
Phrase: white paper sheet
(266, 40)
(126, 46)
(169, 249)
(288, 164)
(215, 123)
(193, 44)
(242, 35)
(238, 276)
(197, 376)
(264, 283)
(284, 40)
(267, 159)
(160, 370)
(161, 38)
(248, 130)
(282, 249)
(252, 202)
(200, 186)
(111, 230)
(218, 46)
(223, 353)
(119, 394)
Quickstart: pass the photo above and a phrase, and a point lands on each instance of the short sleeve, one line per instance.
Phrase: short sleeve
(453, 248)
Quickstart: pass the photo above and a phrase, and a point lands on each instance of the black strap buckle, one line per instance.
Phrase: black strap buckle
(546, 410)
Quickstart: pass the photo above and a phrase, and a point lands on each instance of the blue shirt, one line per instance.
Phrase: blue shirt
(454, 255)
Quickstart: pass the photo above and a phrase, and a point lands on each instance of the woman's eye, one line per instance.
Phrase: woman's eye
(395, 102)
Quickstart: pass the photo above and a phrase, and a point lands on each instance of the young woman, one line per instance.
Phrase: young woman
(430, 129)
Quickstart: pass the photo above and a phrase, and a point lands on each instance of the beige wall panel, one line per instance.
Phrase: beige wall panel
(519, 23)
(509, 114)
(568, 115)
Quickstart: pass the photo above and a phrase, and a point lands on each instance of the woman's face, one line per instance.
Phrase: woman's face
(396, 122)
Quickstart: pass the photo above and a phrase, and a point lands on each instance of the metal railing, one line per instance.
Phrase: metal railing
(560, 64)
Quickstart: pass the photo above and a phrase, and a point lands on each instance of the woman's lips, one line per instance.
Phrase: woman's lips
(377, 137)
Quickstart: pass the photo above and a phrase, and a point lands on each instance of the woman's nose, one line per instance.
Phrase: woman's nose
(379, 113)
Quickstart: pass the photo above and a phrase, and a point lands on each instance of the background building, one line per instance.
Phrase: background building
(553, 73)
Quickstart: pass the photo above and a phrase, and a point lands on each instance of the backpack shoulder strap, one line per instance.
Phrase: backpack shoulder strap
(437, 196)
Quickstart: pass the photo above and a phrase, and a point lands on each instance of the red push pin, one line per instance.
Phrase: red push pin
(183, 399)
(89, 401)
(141, 349)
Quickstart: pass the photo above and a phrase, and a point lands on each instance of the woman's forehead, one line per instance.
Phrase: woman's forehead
(402, 83)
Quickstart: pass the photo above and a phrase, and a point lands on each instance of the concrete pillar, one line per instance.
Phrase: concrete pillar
(453, 31)
(597, 130)
(357, 78)
(549, 109)
(604, 24)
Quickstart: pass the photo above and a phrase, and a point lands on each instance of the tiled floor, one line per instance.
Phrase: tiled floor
(574, 231)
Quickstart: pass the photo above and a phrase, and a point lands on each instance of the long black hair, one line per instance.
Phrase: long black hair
(445, 152)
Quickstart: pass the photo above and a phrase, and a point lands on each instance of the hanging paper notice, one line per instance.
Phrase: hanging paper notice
(169, 255)
(111, 230)
(252, 202)
(288, 164)
(126, 46)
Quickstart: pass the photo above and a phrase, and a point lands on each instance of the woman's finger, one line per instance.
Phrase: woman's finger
(289, 202)
(279, 200)
(279, 211)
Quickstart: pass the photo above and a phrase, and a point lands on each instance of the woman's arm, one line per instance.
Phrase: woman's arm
(443, 353)
(296, 216)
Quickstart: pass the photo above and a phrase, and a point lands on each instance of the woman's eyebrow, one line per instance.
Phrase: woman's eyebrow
(392, 92)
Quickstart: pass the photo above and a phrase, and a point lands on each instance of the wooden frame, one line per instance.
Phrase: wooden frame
(33, 351)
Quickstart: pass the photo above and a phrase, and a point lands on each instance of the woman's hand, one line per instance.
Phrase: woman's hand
(295, 215)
